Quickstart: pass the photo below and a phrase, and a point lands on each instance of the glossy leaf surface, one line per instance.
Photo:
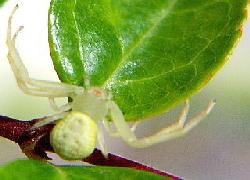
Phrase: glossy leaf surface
(150, 55)
(28, 169)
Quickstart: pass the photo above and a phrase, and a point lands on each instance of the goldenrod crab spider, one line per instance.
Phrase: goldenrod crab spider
(76, 130)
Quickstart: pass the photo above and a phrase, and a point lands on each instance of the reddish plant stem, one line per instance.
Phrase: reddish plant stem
(97, 158)
(35, 142)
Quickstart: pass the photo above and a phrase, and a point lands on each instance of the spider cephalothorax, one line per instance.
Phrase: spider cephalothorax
(77, 122)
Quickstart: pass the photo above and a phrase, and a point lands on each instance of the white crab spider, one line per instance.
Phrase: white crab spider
(76, 130)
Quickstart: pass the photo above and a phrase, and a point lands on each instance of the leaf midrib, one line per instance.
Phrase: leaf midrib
(78, 32)
(125, 56)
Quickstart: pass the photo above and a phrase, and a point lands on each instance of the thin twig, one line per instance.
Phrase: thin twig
(35, 143)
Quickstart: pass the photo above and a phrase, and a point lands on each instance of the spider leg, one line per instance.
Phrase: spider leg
(55, 107)
(183, 115)
(178, 129)
(135, 125)
(28, 85)
(101, 142)
(121, 125)
(108, 126)
(50, 119)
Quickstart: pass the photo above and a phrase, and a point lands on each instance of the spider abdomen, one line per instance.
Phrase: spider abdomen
(74, 137)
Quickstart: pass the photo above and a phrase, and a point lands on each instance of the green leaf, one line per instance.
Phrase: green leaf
(151, 55)
(28, 169)
(2, 2)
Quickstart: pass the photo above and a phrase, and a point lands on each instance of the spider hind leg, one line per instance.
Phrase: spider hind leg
(180, 128)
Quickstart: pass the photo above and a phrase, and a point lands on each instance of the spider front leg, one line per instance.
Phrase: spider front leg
(178, 129)
(27, 84)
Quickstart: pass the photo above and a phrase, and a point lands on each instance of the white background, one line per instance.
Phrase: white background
(219, 148)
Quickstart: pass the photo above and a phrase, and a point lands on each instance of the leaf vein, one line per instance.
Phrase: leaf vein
(167, 11)
(190, 63)
(78, 32)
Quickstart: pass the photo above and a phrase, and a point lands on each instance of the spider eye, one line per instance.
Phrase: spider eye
(74, 137)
